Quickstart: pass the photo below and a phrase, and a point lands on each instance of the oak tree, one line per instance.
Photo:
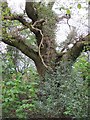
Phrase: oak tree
(42, 26)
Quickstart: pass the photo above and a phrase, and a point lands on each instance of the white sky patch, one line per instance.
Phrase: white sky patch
(79, 18)
(70, 46)
(3, 47)
(17, 6)
(62, 32)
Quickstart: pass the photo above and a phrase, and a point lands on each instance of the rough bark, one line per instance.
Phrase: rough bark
(31, 11)
(45, 57)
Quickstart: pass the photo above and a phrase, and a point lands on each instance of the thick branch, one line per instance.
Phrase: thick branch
(17, 41)
(20, 44)
(75, 51)
(37, 24)
(28, 51)
(31, 11)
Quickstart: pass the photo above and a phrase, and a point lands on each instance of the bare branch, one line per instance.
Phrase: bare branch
(37, 24)
(19, 42)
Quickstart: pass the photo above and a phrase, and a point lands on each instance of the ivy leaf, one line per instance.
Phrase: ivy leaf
(68, 12)
(79, 6)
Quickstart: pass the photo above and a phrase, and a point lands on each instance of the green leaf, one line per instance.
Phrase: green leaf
(68, 12)
(79, 6)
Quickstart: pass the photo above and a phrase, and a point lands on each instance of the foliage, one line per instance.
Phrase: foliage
(63, 93)
(14, 61)
(79, 6)
(46, 13)
(18, 88)
(83, 66)
(13, 26)
(18, 97)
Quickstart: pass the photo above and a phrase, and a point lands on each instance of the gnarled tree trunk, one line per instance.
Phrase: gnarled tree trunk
(46, 57)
